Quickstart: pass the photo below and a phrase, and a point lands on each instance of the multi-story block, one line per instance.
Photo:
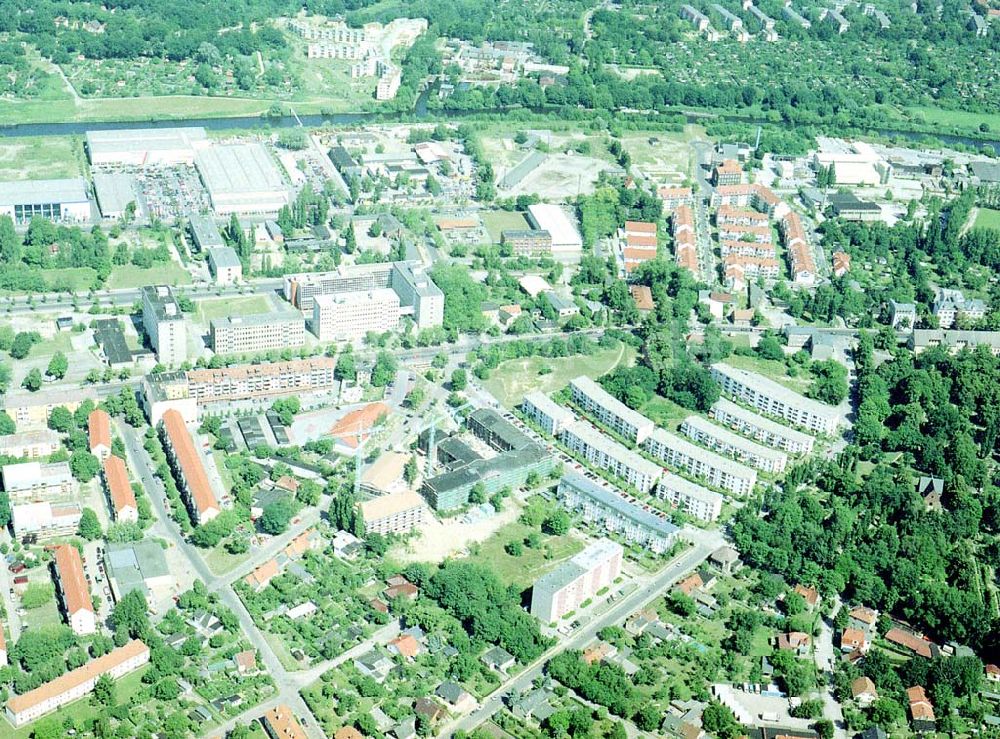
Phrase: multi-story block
(725, 441)
(25, 708)
(74, 593)
(720, 471)
(388, 83)
(617, 512)
(496, 431)
(527, 242)
(349, 316)
(903, 315)
(547, 413)
(728, 172)
(569, 585)
(607, 454)
(99, 433)
(396, 513)
(164, 324)
(800, 257)
(685, 241)
(949, 305)
(736, 232)
(511, 469)
(45, 520)
(225, 265)
(699, 19)
(30, 444)
(188, 467)
(119, 490)
(756, 196)
(673, 197)
(255, 381)
(760, 428)
(728, 215)
(695, 500)
(35, 481)
(767, 396)
(259, 332)
(610, 411)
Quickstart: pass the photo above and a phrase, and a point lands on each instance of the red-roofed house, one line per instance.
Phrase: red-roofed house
(119, 489)
(851, 639)
(74, 591)
(809, 594)
(689, 584)
(794, 641)
(921, 710)
(99, 433)
(188, 468)
(992, 672)
(863, 691)
(405, 645)
(259, 578)
(841, 263)
(913, 643)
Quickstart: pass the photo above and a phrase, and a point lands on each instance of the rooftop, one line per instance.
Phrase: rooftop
(610, 499)
(224, 257)
(387, 505)
(28, 474)
(119, 487)
(72, 581)
(594, 438)
(238, 169)
(609, 402)
(190, 462)
(762, 422)
(580, 564)
(37, 192)
(735, 440)
(144, 139)
(771, 389)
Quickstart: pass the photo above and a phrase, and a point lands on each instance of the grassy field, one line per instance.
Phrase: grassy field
(128, 275)
(512, 380)
(772, 369)
(220, 561)
(664, 156)
(42, 158)
(224, 307)
(664, 412)
(60, 342)
(987, 218)
(501, 220)
(949, 120)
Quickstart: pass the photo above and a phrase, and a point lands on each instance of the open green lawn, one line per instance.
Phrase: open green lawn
(60, 342)
(128, 275)
(773, 369)
(502, 220)
(220, 561)
(512, 380)
(82, 710)
(224, 307)
(664, 412)
(42, 158)
(987, 218)
(954, 119)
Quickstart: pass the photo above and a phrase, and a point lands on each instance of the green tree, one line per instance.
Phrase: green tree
(557, 524)
(384, 371)
(104, 691)
(33, 380)
(89, 527)
(130, 615)
(277, 515)
(459, 380)
(84, 465)
(7, 425)
(58, 366)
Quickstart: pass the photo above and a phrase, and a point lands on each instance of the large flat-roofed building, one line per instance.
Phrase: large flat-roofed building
(45, 520)
(142, 566)
(25, 708)
(718, 470)
(241, 178)
(74, 592)
(119, 490)
(693, 499)
(35, 481)
(566, 240)
(259, 332)
(566, 587)
(188, 467)
(610, 411)
(387, 474)
(511, 469)
(495, 430)
(204, 233)
(30, 444)
(225, 265)
(254, 381)
(419, 298)
(146, 146)
(349, 316)
(762, 429)
(114, 192)
(163, 322)
(58, 200)
(767, 396)
(739, 447)
(395, 513)
(607, 454)
(547, 413)
(618, 512)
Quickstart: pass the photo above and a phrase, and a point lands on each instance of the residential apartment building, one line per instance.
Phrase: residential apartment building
(685, 241)
(673, 197)
(697, 18)
(728, 215)
(255, 381)
(496, 431)
(349, 316)
(280, 723)
(693, 499)
(756, 196)
(527, 242)
(99, 433)
(188, 467)
(597, 402)
(722, 440)
(45, 520)
(751, 233)
(953, 340)
(903, 315)
(801, 263)
(73, 590)
(119, 490)
(728, 172)
(774, 399)
(607, 454)
(30, 444)
(26, 482)
(395, 513)
(617, 512)
(547, 413)
(719, 471)
(764, 430)
(762, 253)
(225, 265)
(949, 305)
(25, 708)
(566, 587)
(32, 410)
(259, 332)
(164, 324)
(737, 268)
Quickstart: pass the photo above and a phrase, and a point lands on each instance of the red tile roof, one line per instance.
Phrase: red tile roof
(910, 641)
(99, 429)
(72, 581)
(192, 468)
(358, 421)
(119, 488)
(282, 724)
(640, 227)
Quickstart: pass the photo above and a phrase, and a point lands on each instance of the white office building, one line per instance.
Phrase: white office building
(63, 201)
(36, 481)
(547, 413)
(259, 332)
(349, 316)
(693, 499)
(164, 324)
(566, 240)
(225, 265)
(764, 430)
(717, 470)
(724, 441)
(610, 411)
(768, 396)
(565, 588)
(607, 454)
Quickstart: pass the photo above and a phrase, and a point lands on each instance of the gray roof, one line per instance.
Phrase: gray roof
(132, 563)
(509, 434)
(205, 232)
(986, 171)
(595, 439)
(762, 422)
(954, 338)
(698, 423)
(143, 139)
(238, 168)
(223, 257)
(114, 192)
(163, 303)
(33, 192)
(602, 397)
(258, 319)
(776, 391)
(609, 499)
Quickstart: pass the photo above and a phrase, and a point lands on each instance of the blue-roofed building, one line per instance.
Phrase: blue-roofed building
(618, 512)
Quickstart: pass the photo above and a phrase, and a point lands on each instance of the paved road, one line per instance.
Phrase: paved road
(825, 655)
(707, 543)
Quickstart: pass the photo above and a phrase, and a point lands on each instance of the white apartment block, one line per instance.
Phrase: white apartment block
(36, 481)
(724, 441)
(762, 429)
(25, 708)
(388, 84)
(45, 520)
(565, 588)
(610, 411)
(30, 444)
(696, 501)
(717, 470)
(547, 413)
(395, 513)
(349, 316)
(767, 396)
(260, 332)
(607, 454)
(164, 324)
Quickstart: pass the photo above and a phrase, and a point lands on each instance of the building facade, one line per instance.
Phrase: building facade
(27, 482)
(607, 454)
(121, 497)
(724, 441)
(74, 593)
(719, 471)
(547, 413)
(762, 429)
(349, 316)
(396, 513)
(30, 444)
(188, 468)
(565, 588)
(693, 499)
(610, 411)
(164, 324)
(258, 332)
